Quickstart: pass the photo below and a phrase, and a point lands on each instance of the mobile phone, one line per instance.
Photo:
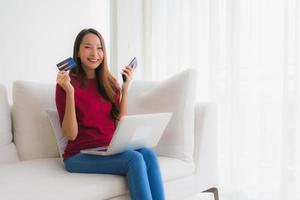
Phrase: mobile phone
(133, 65)
(66, 64)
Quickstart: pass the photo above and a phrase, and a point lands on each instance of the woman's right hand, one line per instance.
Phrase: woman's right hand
(63, 79)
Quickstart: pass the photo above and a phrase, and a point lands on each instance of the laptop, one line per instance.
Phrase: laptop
(134, 132)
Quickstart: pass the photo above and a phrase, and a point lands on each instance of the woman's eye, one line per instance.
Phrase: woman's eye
(99, 48)
(87, 47)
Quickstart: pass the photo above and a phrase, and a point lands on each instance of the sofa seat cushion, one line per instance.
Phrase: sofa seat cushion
(47, 179)
(8, 153)
(172, 168)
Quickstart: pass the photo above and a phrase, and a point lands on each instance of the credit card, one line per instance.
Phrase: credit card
(66, 64)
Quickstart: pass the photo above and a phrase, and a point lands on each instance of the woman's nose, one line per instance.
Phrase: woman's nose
(94, 52)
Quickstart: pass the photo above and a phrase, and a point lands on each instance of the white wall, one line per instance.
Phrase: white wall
(35, 35)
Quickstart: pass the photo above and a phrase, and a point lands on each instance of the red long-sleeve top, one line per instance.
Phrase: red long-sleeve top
(95, 124)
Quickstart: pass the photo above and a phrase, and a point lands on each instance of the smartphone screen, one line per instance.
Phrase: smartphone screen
(133, 64)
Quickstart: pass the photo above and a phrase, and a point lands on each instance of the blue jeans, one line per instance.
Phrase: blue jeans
(140, 167)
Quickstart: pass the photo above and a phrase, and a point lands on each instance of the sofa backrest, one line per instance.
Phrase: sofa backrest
(34, 136)
(7, 148)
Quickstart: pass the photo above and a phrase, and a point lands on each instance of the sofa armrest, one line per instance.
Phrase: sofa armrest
(205, 151)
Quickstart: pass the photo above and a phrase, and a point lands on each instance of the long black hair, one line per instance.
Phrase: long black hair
(107, 84)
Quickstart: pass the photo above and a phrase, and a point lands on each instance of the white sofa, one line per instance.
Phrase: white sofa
(30, 167)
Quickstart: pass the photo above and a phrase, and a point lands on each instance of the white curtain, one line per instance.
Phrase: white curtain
(178, 38)
(247, 54)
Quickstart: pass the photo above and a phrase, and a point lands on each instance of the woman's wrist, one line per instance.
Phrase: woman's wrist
(69, 89)
(70, 92)
(124, 91)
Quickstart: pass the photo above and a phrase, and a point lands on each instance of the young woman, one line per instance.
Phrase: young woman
(90, 103)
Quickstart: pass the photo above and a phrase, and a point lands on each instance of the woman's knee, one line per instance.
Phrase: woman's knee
(148, 153)
(134, 157)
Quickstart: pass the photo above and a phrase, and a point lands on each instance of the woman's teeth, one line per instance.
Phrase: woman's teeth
(93, 60)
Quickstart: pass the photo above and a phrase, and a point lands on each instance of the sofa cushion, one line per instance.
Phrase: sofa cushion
(176, 95)
(8, 151)
(47, 179)
(61, 140)
(32, 132)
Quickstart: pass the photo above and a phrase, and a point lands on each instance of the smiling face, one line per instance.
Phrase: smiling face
(90, 53)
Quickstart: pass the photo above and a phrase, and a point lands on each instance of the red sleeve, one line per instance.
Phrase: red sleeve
(60, 100)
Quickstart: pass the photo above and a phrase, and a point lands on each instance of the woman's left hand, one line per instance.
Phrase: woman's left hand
(128, 72)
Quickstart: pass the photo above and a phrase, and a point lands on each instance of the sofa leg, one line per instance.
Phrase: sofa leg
(213, 190)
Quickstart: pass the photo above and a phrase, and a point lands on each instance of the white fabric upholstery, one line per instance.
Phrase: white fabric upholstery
(176, 95)
(172, 168)
(32, 132)
(5, 121)
(8, 151)
(206, 144)
(61, 140)
(47, 179)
